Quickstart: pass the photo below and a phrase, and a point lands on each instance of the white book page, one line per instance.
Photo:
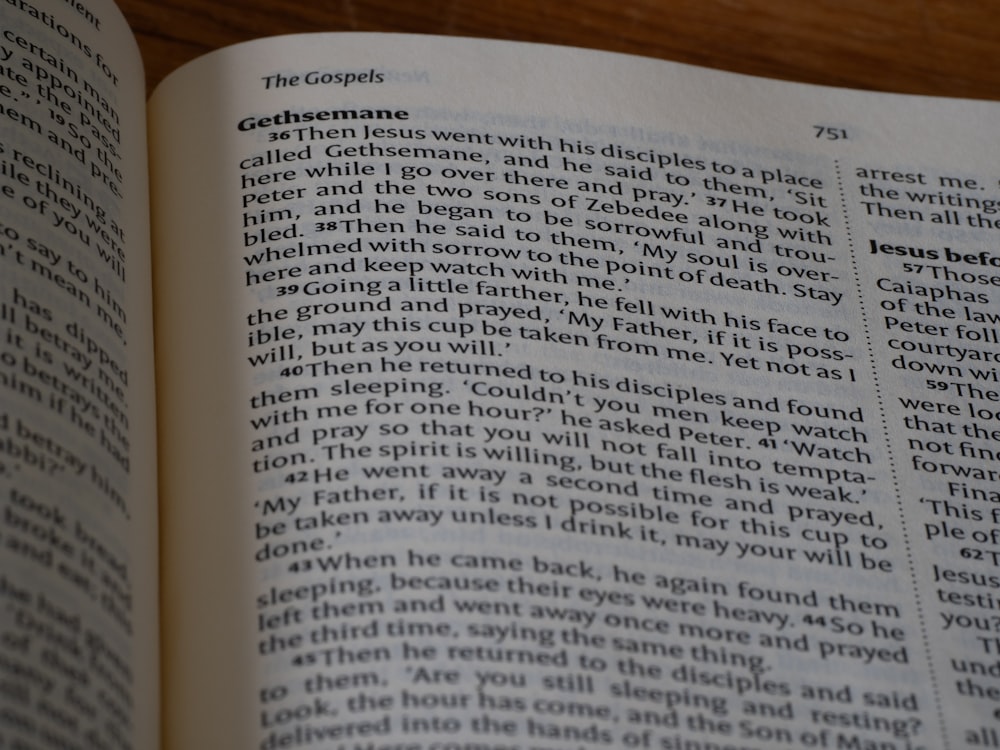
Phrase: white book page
(79, 650)
(546, 398)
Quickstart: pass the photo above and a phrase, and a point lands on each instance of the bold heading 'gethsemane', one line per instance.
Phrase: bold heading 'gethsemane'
(292, 118)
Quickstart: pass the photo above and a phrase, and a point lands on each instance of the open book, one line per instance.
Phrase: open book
(504, 396)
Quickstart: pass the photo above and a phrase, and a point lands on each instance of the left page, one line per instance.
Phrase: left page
(78, 545)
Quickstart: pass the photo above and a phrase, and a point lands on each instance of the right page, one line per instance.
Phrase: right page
(526, 397)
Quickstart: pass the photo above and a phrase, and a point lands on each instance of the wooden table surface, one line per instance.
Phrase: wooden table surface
(939, 47)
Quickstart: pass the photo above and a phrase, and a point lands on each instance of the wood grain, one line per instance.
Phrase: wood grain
(937, 47)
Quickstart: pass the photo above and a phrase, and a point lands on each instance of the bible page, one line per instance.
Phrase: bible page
(525, 397)
(78, 534)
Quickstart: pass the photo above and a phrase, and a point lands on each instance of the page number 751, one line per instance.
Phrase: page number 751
(830, 134)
